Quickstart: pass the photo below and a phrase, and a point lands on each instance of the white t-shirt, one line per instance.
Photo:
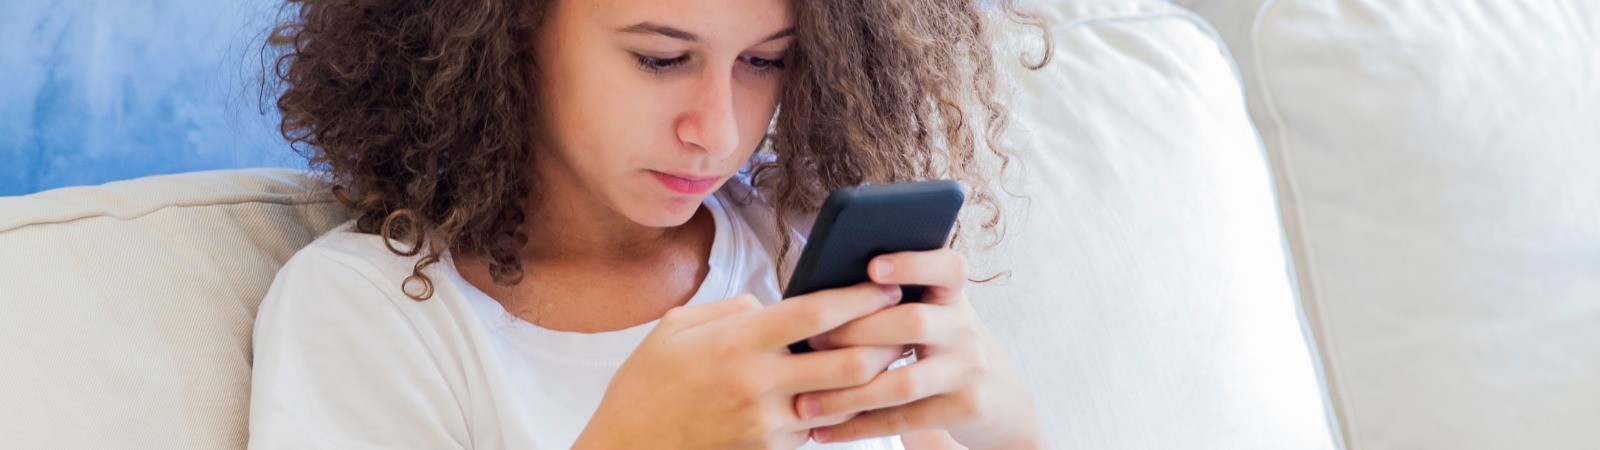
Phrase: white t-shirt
(343, 359)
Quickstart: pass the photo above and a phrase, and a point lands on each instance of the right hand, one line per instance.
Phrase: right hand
(719, 375)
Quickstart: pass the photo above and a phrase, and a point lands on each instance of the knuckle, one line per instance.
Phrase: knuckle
(674, 316)
(978, 370)
(964, 331)
(980, 366)
(746, 302)
(908, 387)
(898, 419)
(767, 421)
(749, 389)
(812, 318)
(919, 322)
(959, 261)
(721, 350)
(969, 404)
(861, 366)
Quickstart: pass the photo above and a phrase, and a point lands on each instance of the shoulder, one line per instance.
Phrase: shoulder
(348, 259)
(334, 343)
(346, 279)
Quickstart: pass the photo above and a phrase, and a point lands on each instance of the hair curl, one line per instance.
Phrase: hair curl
(418, 113)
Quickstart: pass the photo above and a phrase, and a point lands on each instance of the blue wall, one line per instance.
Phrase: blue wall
(93, 91)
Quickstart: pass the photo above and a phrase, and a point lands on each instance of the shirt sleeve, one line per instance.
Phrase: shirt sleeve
(337, 365)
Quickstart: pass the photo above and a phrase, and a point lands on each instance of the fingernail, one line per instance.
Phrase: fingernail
(892, 292)
(821, 434)
(809, 407)
(821, 342)
(884, 269)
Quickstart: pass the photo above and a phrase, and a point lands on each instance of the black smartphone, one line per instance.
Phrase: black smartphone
(859, 223)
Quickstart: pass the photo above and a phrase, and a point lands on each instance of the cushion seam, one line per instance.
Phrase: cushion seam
(292, 201)
(1302, 255)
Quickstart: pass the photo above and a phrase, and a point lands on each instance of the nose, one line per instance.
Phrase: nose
(709, 122)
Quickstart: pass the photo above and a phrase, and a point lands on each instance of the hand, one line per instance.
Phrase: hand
(719, 375)
(962, 382)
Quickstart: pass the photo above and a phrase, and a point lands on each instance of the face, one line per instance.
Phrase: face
(650, 105)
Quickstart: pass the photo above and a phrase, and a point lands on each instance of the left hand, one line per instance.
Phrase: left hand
(963, 381)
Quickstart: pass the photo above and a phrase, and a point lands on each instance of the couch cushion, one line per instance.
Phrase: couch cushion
(126, 309)
(1149, 303)
(1441, 162)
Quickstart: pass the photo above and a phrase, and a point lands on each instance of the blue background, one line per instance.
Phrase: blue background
(93, 91)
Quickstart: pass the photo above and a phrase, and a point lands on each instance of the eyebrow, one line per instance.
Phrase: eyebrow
(656, 28)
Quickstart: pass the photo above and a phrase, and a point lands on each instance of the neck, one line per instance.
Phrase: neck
(568, 224)
(570, 228)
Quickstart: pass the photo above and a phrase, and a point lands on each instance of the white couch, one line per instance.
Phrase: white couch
(1436, 287)
(1439, 165)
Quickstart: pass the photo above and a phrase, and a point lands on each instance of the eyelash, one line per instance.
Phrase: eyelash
(770, 64)
(653, 64)
(658, 65)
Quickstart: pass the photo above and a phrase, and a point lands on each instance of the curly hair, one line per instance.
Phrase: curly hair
(418, 115)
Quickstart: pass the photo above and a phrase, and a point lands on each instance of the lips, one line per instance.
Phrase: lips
(686, 184)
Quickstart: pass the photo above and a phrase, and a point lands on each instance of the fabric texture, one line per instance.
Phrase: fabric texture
(1149, 300)
(1437, 161)
(126, 309)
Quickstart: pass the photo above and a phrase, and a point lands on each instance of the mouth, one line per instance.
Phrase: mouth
(685, 183)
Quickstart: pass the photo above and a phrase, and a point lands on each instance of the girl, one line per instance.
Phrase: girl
(564, 235)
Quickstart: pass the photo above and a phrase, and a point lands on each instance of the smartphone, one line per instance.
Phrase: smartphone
(859, 223)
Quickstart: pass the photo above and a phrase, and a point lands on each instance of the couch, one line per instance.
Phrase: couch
(1247, 224)
(1438, 164)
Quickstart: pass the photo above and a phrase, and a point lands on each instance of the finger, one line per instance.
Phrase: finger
(935, 326)
(943, 271)
(834, 369)
(923, 414)
(923, 379)
(808, 315)
(685, 317)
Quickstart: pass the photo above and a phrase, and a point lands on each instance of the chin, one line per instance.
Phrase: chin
(660, 214)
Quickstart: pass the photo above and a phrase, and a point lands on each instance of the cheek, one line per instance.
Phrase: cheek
(755, 108)
(600, 116)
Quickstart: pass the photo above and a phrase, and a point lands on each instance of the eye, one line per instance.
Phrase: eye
(657, 65)
(762, 64)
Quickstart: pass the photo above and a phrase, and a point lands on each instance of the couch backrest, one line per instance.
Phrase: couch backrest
(1149, 302)
(125, 309)
(1439, 162)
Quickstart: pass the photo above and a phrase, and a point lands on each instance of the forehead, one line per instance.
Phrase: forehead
(712, 20)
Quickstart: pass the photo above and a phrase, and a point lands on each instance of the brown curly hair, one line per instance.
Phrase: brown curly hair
(417, 112)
